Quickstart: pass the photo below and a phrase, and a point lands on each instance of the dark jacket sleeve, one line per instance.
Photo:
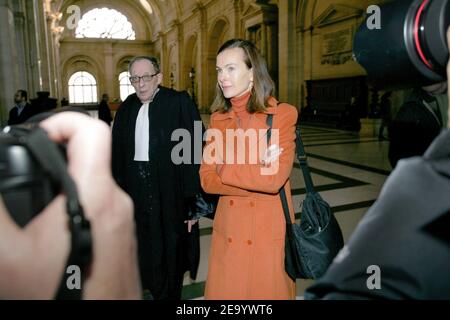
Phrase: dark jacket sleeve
(12, 116)
(119, 145)
(396, 251)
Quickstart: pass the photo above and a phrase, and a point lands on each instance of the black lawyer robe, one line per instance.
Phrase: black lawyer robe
(174, 185)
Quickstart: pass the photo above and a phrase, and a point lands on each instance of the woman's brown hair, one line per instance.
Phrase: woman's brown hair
(263, 85)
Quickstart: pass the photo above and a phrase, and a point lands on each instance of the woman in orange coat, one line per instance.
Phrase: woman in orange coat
(247, 251)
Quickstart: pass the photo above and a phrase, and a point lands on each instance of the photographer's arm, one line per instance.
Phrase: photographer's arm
(33, 259)
(114, 272)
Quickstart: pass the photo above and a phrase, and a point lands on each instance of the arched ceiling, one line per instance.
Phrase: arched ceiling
(164, 12)
(147, 24)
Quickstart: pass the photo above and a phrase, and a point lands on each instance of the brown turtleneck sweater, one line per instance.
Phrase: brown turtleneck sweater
(239, 106)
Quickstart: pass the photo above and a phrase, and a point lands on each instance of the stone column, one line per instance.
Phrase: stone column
(180, 39)
(50, 55)
(261, 27)
(57, 32)
(201, 70)
(54, 31)
(42, 43)
(31, 48)
(109, 73)
(163, 55)
(289, 71)
(237, 21)
(9, 81)
(20, 32)
(265, 44)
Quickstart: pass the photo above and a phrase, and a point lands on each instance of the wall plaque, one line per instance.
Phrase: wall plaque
(337, 42)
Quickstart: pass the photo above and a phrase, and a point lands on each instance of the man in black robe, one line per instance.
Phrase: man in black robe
(161, 190)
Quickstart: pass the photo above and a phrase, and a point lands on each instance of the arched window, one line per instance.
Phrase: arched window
(104, 23)
(82, 88)
(125, 86)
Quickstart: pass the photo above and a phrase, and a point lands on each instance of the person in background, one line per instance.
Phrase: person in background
(22, 110)
(246, 258)
(104, 113)
(385, 115)
(64, 102)
(419, 120)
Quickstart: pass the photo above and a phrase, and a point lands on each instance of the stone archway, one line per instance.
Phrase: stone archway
(80, 63)
(140, 22)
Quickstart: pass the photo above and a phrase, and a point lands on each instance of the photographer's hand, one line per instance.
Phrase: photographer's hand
(114, 272)
(32, 260)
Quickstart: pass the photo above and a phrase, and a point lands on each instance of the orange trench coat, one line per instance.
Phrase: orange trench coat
(246, 259)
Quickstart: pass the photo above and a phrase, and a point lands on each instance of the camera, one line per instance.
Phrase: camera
(33, 170)
(410, 46)
(26, 188)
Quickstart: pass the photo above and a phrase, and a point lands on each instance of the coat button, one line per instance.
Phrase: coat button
(249, 242)
(231, 202)
(252, 204)
(230, 240)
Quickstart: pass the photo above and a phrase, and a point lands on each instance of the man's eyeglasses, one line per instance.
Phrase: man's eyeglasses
(145, 78)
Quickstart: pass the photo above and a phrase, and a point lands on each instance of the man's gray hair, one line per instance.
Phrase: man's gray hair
(153, 61)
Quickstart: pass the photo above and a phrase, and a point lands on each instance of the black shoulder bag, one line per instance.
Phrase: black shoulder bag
(310, 246)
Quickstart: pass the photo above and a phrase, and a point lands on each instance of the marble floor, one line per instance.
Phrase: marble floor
(348, 170)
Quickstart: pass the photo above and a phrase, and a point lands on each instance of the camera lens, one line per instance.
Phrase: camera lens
(433, 19)
(410, 47)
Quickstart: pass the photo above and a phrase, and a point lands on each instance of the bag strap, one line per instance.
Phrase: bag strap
(284, 203)
(302, 159)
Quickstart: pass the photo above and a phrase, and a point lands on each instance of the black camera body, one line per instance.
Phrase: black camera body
(26, 188)
(410, 47)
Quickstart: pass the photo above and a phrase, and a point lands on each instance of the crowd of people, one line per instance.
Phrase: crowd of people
(145, 238)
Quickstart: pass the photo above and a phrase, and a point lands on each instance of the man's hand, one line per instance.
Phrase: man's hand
(190, 223)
